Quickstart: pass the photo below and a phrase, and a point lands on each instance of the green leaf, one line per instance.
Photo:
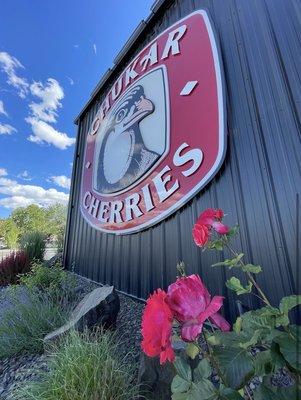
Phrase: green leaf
(234, 284)
(179, 385)
(290, 350)
(263, 363)
(263, 319)
(278, 361)
(225, 338)
(228, 394)
(233, 231)
(203, 370)
(289, 302)
(237, 325)
(254, 269)
(179, 396)
(183, 368)
(231, 262)
(192, 350)
(215, 244)
(204, 390)
(235, 364)
(264, 392)
(253, 341)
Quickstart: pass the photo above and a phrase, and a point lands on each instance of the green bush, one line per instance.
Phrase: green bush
(34, 244)
(31, 316)
(55, 281)
(85, 367)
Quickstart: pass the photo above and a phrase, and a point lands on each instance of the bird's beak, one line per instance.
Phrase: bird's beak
(142, 108)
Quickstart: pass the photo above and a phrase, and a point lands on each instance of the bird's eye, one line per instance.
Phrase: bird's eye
(120, 115)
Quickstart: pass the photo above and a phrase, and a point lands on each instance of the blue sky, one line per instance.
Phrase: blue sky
(52, 55)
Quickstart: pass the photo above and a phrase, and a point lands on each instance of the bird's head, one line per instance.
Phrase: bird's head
(133, 108)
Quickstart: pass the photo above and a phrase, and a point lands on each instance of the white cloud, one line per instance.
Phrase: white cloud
(2, 109)
(25, 176)
(44, 112)
(71, 81)
(9, 64)
(94, 48)
(23, 195)
(3, 172)
(50, 95)
(62, 181)
(6, 129)
(45, 133)
(76, 46)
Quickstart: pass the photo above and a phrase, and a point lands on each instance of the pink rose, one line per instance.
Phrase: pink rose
(208, 220)
(191, 303)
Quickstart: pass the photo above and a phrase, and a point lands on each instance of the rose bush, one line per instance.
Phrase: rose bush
(184, 311)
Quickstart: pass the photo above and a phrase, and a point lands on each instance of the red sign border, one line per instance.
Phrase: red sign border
(222, 131)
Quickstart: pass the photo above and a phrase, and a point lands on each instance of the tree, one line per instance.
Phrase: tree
(30, 219)
(10, 233)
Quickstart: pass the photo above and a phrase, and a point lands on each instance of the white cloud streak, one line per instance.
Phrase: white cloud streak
(9, 65)
(3, 172)
(50, 95)
(62, 181)
(45, 133)
(94, 48)
(6, 129)
(45, 112)
(2, 109)
(23, 195)
(25, 176)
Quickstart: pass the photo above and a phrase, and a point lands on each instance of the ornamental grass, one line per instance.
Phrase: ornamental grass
(85, 366)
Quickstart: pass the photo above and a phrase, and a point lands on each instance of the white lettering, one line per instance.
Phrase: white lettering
(88, 197)
(160, 184)
(116, 92)
(149, 205)
(116, 207)
(151, 57)
(131, 206)
(173, 41)
(104, 108)
(194, 155)
(93, 208)
(130, 73)
(103, 210)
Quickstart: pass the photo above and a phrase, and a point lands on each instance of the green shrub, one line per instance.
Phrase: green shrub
(34, 244)
(54, 280)
(85, 367)
(29, 318)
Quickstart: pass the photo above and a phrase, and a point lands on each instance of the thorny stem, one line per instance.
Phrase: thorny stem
(263, 296)
(248, 393)
(212, 359)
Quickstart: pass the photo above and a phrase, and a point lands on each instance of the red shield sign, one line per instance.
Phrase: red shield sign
(159, 135)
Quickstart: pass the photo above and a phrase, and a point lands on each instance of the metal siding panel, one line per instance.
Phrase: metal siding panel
(258, 182)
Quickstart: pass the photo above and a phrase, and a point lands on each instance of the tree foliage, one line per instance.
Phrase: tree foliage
(50, 221)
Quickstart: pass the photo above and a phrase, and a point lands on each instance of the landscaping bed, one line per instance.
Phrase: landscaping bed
(22, 368)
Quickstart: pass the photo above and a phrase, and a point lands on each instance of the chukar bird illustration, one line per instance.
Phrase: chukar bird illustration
(123, 155)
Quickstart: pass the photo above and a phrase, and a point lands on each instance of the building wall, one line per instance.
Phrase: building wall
(257, 185)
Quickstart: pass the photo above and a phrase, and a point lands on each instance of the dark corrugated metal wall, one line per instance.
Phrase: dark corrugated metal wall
(257, 185)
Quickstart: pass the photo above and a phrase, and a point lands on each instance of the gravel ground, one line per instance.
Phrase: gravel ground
(25, 367)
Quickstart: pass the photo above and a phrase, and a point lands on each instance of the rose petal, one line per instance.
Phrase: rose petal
(220, 322)
(220, 228)
(167, 355)
(190, 332)
(215, 304)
